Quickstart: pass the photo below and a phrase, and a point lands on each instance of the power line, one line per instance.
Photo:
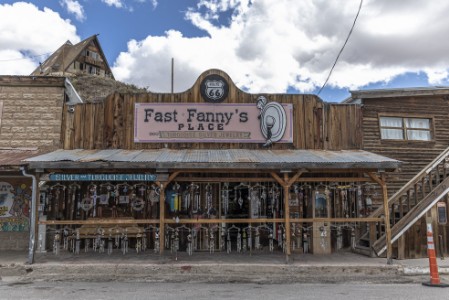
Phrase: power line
(339, 53)
(27, 57)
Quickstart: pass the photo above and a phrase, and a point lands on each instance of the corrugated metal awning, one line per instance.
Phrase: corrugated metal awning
(212, 159)
(13, 157)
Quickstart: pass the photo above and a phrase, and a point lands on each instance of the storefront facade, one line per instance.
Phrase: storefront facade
(210, 169)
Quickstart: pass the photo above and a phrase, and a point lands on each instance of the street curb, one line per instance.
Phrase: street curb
(208, 272)
(424, 270)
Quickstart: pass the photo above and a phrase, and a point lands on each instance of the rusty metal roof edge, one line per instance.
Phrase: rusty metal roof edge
(262, 158)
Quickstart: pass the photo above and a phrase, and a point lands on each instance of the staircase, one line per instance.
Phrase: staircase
(414, 199)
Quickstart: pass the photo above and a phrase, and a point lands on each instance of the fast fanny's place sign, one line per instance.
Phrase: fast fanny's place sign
(203, 122)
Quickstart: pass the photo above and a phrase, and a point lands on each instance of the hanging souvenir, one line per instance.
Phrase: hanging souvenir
(225, 198)
(293, 237)
(254, 200)
(223, 239)
(194, 239)
(279, 236)
(270, 241)
(74, 199)
(323, 235)
(189, 244)
(110, 244)
(86, 245)
(167, 238)
(176, 198)
(209, 204)
(65, 234)
(124, 194)
(228, 242)
(212, 241)
(105, 193)
(196, 208)
(305, 241)
(339, 238)
(137, 203)
(353, 244)
(257, 240)
(275, 193)
(87, 204)
(238, 193)
(77, 242)
(244, 240)
(172, 242)
(156, 241)
(138, 242)
(250, 239)
(239, 242)
(144, 240)
(125, 242)
(57, 243)
(58, 200)
(117, 238)
(40, 244)
(186, 200)
(263, 202)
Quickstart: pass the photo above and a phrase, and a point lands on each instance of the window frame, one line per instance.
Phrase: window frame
(404, 128)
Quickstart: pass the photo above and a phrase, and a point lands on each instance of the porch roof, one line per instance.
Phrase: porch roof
(181, 159)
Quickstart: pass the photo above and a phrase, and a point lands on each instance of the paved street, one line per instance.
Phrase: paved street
(123, 290)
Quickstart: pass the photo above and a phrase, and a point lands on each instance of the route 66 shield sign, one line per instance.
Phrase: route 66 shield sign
(214, 88)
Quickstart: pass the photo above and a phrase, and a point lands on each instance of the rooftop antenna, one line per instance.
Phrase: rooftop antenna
(172, 74)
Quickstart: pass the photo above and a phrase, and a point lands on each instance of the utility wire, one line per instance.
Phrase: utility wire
(26, 57)
(339, 53)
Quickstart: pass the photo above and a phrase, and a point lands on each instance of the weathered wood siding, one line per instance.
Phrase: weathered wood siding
(110, 124)
(415, 155)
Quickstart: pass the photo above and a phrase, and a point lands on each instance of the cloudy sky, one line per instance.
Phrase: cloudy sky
(272, 46)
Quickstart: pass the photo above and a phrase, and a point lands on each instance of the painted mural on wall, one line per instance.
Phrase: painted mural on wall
(15, 203)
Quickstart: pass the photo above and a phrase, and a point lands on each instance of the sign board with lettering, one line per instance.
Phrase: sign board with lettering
(205, 122)
(101, 177)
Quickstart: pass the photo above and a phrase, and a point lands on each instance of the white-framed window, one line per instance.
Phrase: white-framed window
(405, 128)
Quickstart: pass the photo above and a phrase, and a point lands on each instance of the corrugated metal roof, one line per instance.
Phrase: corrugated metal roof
(232, 158)
(15, 156)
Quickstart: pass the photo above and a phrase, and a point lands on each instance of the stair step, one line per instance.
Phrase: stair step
(367, 251)
(415, 213)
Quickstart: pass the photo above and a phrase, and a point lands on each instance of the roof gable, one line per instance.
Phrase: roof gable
(67, 54)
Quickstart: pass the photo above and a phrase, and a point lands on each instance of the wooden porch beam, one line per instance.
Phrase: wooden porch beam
(381, 182)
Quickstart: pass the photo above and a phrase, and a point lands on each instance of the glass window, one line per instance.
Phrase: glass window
(400, 128)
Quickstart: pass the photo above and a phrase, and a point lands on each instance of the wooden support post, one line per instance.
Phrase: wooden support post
(286, 183)
(387, 224)
(162, 219)
(381, 182)
(287, 217)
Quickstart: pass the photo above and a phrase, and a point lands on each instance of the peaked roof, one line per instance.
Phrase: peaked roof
(62, 58)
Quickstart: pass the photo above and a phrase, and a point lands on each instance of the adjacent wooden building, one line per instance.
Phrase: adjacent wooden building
(410, 125)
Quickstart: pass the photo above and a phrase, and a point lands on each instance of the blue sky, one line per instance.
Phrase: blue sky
(264, 45)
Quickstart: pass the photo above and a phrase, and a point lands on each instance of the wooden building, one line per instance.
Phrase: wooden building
(85, 57)
(211, 169)
(410, 125)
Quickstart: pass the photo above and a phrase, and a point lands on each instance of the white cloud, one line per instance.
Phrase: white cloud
(75, 8)
(154, 3)
(116, 3)
(27, 33)
(269, 45)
